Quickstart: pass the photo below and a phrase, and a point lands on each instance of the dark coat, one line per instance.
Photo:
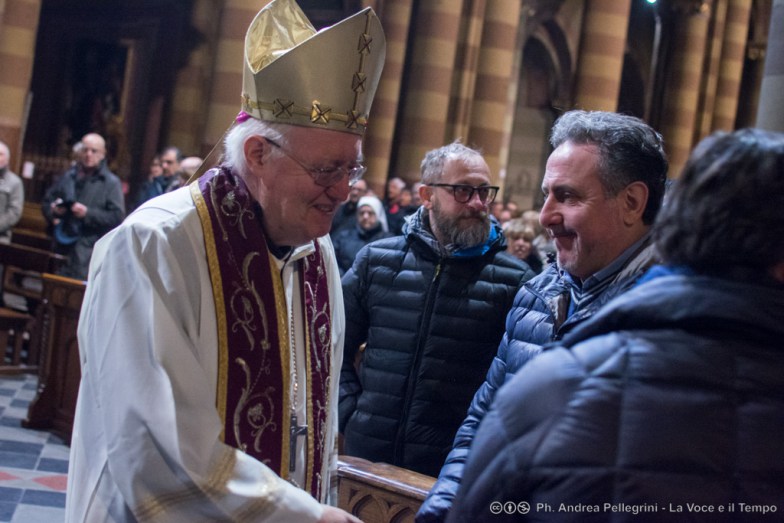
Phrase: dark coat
(671, 395)
(350, 240)
(536, 319)
(432, 322)
(101, 192)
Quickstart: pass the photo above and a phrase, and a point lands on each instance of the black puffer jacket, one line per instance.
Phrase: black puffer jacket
(671, 395)
(432, 322)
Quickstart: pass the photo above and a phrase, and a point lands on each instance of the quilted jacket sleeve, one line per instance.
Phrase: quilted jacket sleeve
(354, 285)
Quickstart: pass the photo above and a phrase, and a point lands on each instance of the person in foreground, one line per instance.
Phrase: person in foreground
(603, 187)
(671, 396)
(211, 331)
(431, 306)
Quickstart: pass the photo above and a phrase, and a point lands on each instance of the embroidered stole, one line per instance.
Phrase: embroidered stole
(254, 382)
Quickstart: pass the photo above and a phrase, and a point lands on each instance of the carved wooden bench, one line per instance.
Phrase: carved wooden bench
(379, 492)
(54, 405)
(22, 272)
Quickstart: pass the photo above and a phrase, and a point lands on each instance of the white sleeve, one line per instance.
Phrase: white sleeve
(149, 380)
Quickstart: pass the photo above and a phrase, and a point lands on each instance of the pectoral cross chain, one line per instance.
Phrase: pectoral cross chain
(294, 432)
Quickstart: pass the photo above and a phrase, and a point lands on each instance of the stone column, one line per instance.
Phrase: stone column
(710, 75)
(466, 63)
(18, 28)
(770, 113)
(736, 32)
(603, 41)
(226, 92)
(430, 77)
(192, 86)
(680, 105)
(491, 108)
(396, 21)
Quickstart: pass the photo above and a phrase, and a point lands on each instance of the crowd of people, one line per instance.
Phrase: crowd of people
(87, 200)
(618, 346)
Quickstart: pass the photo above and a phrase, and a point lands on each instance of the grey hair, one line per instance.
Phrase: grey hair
(629, 151)
(234, 144)
(432, 166)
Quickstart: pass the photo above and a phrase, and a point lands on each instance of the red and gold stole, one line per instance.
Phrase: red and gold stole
(254, 381)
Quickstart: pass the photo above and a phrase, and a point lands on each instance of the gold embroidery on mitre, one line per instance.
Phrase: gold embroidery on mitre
(283, 108)
(319, 114)
(358, 83)
(364, 43)
(275, 57)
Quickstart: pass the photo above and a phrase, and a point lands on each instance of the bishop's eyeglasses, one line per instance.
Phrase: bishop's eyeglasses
(463, 193)
(326, 176)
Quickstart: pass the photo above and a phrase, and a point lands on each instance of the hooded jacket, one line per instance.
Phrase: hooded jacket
(432, 320)
(670, 396)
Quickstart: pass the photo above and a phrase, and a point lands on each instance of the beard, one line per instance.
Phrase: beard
(467, 229)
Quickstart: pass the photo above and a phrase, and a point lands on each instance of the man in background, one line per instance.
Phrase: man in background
(430, 305)
(11, 195)
(346, 217)
(85, 203)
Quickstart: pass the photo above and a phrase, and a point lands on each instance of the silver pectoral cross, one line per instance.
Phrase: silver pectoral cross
(294, 432)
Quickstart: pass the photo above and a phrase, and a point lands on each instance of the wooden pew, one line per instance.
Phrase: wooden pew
(54, 405)
(31, 238)
(22, 272)
(32, 219)
(378, 492)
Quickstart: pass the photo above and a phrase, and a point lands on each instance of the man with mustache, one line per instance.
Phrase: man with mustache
(430, 305)
(603, 187)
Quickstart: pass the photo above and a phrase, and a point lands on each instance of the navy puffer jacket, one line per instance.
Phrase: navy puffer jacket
(432, 322)
(536, 319)
(671, 395)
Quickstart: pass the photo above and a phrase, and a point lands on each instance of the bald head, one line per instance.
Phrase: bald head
(5, 155)
(93, 151)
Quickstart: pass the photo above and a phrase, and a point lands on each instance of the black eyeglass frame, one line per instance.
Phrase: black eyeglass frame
(325, 177)
(492, 191)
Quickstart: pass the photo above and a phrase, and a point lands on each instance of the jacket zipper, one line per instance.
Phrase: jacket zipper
(397, 455)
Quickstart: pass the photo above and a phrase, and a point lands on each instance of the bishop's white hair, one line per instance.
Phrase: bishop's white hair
(234, 144)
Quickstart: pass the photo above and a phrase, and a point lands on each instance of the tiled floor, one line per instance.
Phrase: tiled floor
(33, 464)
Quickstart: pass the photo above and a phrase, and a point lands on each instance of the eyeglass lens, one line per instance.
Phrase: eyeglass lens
(464, 193)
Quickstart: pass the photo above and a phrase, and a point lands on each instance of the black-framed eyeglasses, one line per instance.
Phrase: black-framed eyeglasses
(326, 176)
(463, 193)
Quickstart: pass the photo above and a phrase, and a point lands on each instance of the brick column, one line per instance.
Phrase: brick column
(18, 27)
(466, 64)
(770, 114)
(225, 94)
(431, 72)
(490, 114)
(736, 32)
(603, 41)
(396, 21)
(710, 74)
(192, 86)
(680, 106)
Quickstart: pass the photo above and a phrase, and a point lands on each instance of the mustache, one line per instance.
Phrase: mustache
(482, 215)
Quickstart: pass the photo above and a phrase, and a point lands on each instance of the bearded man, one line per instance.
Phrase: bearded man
(430, 305)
